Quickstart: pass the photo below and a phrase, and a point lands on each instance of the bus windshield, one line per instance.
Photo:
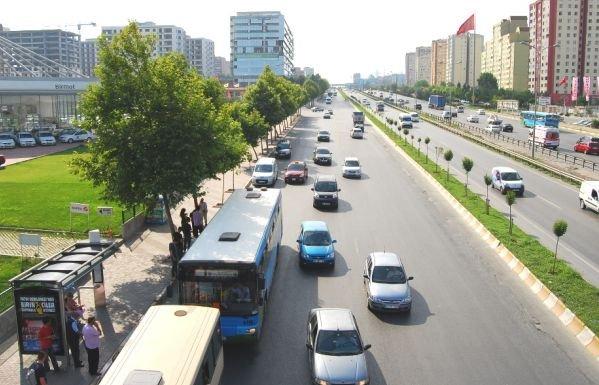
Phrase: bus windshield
(232, 291)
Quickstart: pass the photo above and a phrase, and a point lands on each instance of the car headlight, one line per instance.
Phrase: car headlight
(331, 255)
(363, 382)
(374, 298)
(335, 195)
(407, 299)
(322, 382)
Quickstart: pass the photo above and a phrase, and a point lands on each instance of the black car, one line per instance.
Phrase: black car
(418, 106)
(506, 127)
(454, 114)
(326, 192)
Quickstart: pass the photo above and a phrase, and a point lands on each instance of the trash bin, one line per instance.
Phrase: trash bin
(157, 216)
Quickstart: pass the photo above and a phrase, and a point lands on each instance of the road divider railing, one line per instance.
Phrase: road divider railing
(466, 130)
(561, 289)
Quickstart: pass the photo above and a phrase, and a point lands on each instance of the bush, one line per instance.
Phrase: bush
(595, 123)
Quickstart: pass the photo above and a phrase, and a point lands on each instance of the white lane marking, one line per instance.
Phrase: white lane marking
(548, 201)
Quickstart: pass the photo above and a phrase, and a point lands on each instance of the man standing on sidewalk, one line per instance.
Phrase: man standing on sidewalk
(46, 337)
(196, 221)
(73, 338)
(204, 211)
(91, 339)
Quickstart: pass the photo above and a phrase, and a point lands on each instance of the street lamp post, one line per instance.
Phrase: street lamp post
(536, 92)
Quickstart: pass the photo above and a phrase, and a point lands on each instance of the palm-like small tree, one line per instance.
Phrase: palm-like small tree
(419, 140)
(405, 133)
(467, 164)
(448, 155)
(412, 139)
(427, 140)
(510, 198)
(488, 182)
(559, 228)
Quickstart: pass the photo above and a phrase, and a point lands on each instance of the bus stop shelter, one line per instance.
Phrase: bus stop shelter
(40, 291)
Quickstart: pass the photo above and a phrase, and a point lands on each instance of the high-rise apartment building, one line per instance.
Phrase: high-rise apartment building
(422, 63)
(564, 44)
(57, 45)
(89, 56)
(260, 39)
(505, 56)
(222, 67)
(438, 61)
(410, 68)
(169, 38)
(200, 53)
(463, 58)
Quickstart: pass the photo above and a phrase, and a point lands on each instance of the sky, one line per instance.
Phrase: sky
(337, 38)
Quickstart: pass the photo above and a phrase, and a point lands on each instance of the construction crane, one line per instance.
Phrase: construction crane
(78, 25)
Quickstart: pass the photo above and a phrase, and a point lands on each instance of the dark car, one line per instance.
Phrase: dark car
(283, 149)
(323, 136)
(418, 106)
(507, 127)
(296, 171)
(588, 145)
(454, 114)
(326, 192)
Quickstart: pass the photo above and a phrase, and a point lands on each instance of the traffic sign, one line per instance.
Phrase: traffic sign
(105, 211)
(79, 208)
(544, 100)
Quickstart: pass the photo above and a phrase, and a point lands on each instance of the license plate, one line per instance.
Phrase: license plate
(293, 179)
(392, 306)
(318, 261)
(261, 181)
(325, 203)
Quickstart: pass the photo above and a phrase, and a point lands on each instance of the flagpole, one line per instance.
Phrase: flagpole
(474, 69)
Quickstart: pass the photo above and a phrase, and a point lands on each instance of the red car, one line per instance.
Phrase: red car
(588, 145)
(296, 172)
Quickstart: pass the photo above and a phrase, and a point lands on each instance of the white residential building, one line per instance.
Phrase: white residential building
(200, 53)
(422, 64)
(463, 58)
(410, 68)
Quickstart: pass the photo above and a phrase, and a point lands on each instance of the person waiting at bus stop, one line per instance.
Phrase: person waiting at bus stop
(46, 338)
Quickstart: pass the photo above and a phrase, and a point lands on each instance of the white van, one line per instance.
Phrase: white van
(415, 117)
(405, 121)
(265, 172)
(589, 195)
(505, 179)
(545, 136)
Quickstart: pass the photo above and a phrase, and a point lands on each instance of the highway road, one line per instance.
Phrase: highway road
(567, 138)
(546, 199)
(472, 321)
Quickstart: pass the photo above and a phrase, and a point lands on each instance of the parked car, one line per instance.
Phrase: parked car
(325, 192)
(493, 128)
(387, 285)
(296, 171)
(323, 136)
(326, 115)
(45, 138)
(322, 155)
(588, 145)
(588, 195)
(351, 168)
(480, 111)
(25, 139)
(7, 141)
(316, 247)
(265, 172)
(472, 119)
(71, 136)
(357, 132)
(507, 127)
(505, 179)
(335, 348)
(283, 149)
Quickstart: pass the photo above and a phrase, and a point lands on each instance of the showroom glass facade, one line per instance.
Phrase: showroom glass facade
(31, 112)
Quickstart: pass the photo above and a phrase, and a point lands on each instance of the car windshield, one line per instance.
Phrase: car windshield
(67, 132)
(388, 274)
(407, 118)
(596, 140)
(25, 136)
(510, 176)
(45, 135)
(352, 163)
(338, 343)
(5, 136)
(264, 167)
(323, 133)
(317, 238)
(328, 186)
(296, 167)
(322, 151)
(283, 145)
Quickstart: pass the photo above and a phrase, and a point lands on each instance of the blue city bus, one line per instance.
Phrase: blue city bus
(231, 265)
(542, 119)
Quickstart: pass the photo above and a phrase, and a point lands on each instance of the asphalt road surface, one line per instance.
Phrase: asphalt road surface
(545, 200)
(472, 322)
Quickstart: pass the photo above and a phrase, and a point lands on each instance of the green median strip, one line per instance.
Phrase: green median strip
(578, 295)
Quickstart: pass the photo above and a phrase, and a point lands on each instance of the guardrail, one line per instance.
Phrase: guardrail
(6, 299)
(440, 122)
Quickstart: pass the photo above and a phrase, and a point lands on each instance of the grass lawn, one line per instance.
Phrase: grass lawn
(576, 293)
(36, 195)
(10, 267)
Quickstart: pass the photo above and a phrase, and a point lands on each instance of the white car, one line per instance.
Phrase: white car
(357, 133)
(7, 141)
(505, 179)
(415, 117)
(494, 128)
(45, 138)
(352, 168)
(480, 111)
(472, 119)
(25, 139)
(78, 135)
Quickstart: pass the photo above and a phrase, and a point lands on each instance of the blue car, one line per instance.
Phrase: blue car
(316, 247)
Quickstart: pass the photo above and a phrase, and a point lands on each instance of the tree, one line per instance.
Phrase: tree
(412, 139)
(559, 229)
(448, 155)
(252, 123)
(467, 164)
(311, 89)
(488, 182)
(158, 130)
(405, 133)
(510, 198)
(264, 97)
(487, 86)
(427, 140)
(419, 140)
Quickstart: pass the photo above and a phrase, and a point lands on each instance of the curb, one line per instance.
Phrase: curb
(584, 335)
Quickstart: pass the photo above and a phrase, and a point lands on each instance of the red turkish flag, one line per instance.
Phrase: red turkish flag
(563, 81)
(466, 26)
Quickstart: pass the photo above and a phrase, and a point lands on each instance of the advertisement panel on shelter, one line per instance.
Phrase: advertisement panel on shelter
(33, 305)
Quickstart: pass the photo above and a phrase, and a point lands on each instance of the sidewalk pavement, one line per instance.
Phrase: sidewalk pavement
(134, 277)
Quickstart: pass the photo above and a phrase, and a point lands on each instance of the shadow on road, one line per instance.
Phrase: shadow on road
(374, 370)
(418, 316)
